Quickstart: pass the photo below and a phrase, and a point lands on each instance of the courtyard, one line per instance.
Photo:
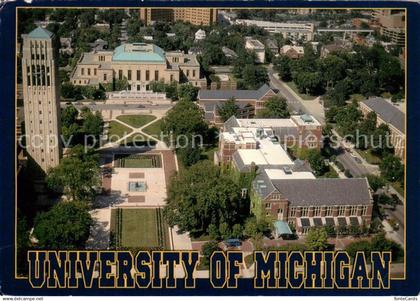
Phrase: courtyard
(139, 179)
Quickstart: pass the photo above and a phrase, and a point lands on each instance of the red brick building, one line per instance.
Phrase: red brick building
(297, 199)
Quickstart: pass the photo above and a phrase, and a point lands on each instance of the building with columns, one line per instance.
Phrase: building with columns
(41, 97)
(140, 64)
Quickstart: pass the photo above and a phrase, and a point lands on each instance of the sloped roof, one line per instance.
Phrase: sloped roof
(387, 112)
(40, 33)
(306, 192)
(237, 94)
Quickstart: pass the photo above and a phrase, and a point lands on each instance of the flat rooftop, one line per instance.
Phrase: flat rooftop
(263, 123)
(280, 174)
(139, 52)
(267, 154)
(255, 44)
(305, 120)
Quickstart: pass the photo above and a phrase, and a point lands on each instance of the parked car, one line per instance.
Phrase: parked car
(233, 242)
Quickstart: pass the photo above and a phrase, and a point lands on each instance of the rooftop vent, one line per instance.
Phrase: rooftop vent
(306, 118)
(287, 170)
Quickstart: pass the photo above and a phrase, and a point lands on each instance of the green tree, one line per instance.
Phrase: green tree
(392, 168)
(338, 95)
(92, 124)
(69, 115)
(375, 182)
(189, 155)
(121, 84)
(207, 249)
(228, 109)
(274, 107)
(203, 195)
(187, 92)
(237, 231)
(77, 176)
(68, 90)
(282, 65)
(66, 226)
(254, 76)
(381, 138)
(316, 160)
(317, 239)
(333, 69)
(347, 119)
(359, 246)
(185, 118)
(308, 82)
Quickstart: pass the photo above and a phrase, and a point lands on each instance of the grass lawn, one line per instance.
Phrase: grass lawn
(292, 85)
(137, 161)
(139, 228)
(154, 129)
(117, 131)
(331, 173)
(369, 156)
(136, 121)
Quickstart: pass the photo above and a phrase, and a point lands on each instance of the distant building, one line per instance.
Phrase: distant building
(140, 64)
(41, 97)
(263, 135)
(390, 115)
(293, 52)
(65, 46)
(226, 17)
(393, 27)
(292, 31)
(200, 35)
(335, 47)
(229, 53)
(257, 47)
(248, 101)
(285, 190)
(195, 51)
(99, 45)
(272, 45)
(298, 199)
(102, 27)
(195, 16)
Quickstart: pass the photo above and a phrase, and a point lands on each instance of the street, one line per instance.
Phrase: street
(312, 107)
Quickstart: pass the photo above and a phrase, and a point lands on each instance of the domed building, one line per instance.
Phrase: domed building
(140, 64)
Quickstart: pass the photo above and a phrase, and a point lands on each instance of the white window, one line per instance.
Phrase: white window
(341, 210)
(292, 212)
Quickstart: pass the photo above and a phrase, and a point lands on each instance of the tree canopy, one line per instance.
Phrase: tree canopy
(392, 168)
(66, 226)
(77, 175)
(204, 195)
(274, 107)
(317, 239)
(185, 118)
(228, 109)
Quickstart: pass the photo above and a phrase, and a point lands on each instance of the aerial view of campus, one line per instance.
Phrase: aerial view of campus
(208, 129)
